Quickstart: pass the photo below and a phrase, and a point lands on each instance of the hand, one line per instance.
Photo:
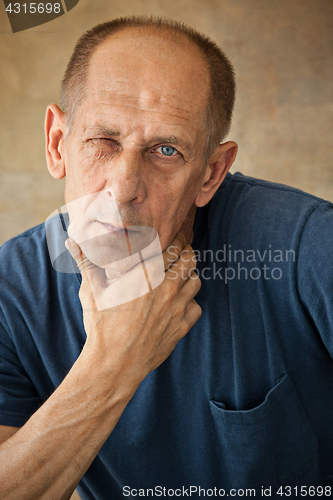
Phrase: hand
(137, 336)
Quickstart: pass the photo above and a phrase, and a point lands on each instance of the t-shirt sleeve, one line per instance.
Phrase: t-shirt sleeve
(315, 271)
(18, 396)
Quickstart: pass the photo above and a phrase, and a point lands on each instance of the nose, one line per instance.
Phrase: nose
(126, 178)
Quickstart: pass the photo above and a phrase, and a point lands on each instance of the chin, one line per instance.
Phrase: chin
(104, 250)
(116, 269)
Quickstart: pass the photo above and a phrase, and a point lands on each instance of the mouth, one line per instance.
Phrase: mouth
(118, 232)
(125, 238)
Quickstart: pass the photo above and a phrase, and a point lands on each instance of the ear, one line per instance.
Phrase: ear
(54, 138)
(216, 169)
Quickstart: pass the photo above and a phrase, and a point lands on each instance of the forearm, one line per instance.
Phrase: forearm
(48, 456)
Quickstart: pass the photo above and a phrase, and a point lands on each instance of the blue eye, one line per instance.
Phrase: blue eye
(167, 150)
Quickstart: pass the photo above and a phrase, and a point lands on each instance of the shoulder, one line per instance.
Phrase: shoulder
(254, 211)
(38, 249)
(31, 260)
(23, 251)
(26, 273)
(260, 200)
(34, 234)
(32, 290)
(265, 190)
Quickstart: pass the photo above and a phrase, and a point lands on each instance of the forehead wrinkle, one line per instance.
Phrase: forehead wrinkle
(161, 100)
(140, 109)
(121, 117)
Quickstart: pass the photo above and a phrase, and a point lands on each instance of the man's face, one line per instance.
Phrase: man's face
(135, 153)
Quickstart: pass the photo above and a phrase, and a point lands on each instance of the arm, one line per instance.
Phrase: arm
(47, 457)
(6, 432)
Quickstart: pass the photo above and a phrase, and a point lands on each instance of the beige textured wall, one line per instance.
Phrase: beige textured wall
(282, 52)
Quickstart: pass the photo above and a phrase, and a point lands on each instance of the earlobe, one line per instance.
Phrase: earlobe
(216, 170)
(54, 138)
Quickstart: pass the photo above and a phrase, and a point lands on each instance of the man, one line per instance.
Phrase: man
(242, 404)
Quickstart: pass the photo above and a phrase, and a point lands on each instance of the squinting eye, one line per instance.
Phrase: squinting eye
(168, 150)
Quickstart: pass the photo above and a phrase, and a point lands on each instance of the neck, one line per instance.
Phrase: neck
(187, 226)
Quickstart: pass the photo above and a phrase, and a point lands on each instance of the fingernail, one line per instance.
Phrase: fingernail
(69, 243)
(71, 246)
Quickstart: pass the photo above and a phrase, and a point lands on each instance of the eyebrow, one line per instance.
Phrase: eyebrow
(172, 139)
(100, 129)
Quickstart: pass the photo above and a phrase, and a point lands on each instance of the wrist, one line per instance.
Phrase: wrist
(115, 375)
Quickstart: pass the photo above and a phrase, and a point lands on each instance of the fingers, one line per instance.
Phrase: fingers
(187, 293)
(193, 313)
(190, 288)
(81, 260)
(179, 259)
(182, 270)
(93, 277)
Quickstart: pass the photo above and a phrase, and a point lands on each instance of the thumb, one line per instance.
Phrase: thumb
(81, 260)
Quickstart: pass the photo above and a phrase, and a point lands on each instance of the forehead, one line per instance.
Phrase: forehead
(149, 71)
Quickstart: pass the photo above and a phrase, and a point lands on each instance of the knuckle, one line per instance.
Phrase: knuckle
(184, 329)
(190, 250)
(170, 290)
(172, 254)
(179, 310)
(188, 258)
(198, 310)
(85, 265)
(180, 239)
(197, 281)
(190, 275)
(176, 246)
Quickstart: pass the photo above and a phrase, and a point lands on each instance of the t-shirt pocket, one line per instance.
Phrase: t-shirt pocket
(270, 445)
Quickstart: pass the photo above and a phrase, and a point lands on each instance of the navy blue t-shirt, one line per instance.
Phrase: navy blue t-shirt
(246, 398)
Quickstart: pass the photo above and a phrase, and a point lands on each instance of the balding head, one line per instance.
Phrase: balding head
(151, 71)
(176, 39)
